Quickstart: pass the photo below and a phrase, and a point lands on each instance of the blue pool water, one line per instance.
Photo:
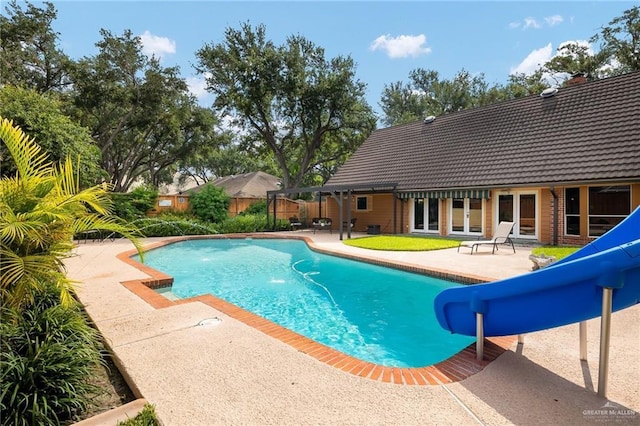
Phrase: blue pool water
(373, 313)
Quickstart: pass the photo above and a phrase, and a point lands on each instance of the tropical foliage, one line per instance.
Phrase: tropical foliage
(47, 353)
(41, 209)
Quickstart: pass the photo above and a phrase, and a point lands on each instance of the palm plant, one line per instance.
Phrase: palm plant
(41, 208)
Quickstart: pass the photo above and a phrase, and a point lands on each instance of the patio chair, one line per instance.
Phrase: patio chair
(351, 225)
(500, 237)
(322, 223)
(294, 223)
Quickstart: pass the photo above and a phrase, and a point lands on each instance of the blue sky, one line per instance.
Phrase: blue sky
(386, 39)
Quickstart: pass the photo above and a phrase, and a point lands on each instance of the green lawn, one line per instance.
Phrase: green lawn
(556, 251)
(401, 243)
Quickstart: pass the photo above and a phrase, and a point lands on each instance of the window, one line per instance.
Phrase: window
(572, 211)
(608, 206)
(418, 214)
(426, 211)
(433, 214)
(363, 204)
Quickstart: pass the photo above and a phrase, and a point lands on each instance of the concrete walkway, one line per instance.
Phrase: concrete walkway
(230, 373)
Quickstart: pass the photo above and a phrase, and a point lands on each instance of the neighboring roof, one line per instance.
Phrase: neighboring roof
(248, 185)
(177, 187)
(585, 132)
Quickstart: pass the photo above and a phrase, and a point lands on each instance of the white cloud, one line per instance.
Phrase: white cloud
(401, 46)
(530, 22)
(197, 86)
(156, 45)
(533, 61)
(553, 20)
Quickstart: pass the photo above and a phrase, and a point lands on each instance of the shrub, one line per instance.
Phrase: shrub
(135, 204)
(48, 351)
(146, 417)
(210, 204)
(165, 226)
(259, 207)
(41, 209)
(250, 223)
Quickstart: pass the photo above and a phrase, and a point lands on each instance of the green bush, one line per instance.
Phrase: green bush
(146, 417)
(167, 226)
(259, 207)
(135, 204)
(210, 204)
(250, 223)
(48, 352)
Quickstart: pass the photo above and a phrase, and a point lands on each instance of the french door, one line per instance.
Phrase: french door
(466, 216)
(426, 215)
(521, 208)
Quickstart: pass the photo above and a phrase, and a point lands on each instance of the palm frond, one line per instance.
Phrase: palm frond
(29, 158)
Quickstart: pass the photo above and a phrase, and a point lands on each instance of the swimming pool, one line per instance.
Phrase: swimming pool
(376, 314)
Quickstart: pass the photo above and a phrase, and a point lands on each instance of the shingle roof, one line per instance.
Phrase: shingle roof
(586, 132)
(247, 185)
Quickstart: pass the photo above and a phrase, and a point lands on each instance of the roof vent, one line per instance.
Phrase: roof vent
(429, 119)
(549, 92)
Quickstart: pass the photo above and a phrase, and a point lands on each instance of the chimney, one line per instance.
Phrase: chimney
(577, 78)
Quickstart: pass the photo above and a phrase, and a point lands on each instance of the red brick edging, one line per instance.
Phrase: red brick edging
(456, 368)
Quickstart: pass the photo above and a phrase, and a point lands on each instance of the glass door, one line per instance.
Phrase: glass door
(520, 208)
(426, 215)
(466, 216)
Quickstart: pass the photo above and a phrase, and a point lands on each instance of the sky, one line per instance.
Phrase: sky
(386, 39)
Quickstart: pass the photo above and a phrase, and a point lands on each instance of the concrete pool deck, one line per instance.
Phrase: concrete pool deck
(231, 373)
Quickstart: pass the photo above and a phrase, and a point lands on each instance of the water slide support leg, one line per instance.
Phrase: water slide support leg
(605, 335)
(479, 337)
(583, 340)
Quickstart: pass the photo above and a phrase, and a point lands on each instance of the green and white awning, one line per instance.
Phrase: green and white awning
(454, 193)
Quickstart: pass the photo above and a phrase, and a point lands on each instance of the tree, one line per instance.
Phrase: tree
(427, 94)
(40, 116)
(41, 209)
(210, 204)
(289, 99)
(141, 115)
(621, 41)
(28, 53)
(573, 58)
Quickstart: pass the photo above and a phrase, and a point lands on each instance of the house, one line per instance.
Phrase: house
(244, 190)
(563, 165)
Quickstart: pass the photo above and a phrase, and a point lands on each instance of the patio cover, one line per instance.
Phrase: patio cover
(336, 191)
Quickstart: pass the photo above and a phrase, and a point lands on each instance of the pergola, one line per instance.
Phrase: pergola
(337, 192)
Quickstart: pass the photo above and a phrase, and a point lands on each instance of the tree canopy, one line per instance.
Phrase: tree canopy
(141, 114)
(29, 55)
(41, 116)
(289, 100)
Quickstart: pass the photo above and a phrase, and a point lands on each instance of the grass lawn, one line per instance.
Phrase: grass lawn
(556, 251)
(402, 243)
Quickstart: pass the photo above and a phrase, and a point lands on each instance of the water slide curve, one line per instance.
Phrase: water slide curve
(565, 292)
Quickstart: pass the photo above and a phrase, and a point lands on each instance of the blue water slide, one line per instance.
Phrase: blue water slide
(563, 293)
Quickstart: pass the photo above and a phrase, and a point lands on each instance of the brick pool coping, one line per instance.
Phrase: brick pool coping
(453, 369)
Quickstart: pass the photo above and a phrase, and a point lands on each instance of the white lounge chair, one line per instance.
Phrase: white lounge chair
(500, 237)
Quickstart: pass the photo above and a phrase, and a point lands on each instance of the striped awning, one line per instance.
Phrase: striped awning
(455, 193)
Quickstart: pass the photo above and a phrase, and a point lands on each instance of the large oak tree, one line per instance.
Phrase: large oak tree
(290, 101)
(141, 114)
